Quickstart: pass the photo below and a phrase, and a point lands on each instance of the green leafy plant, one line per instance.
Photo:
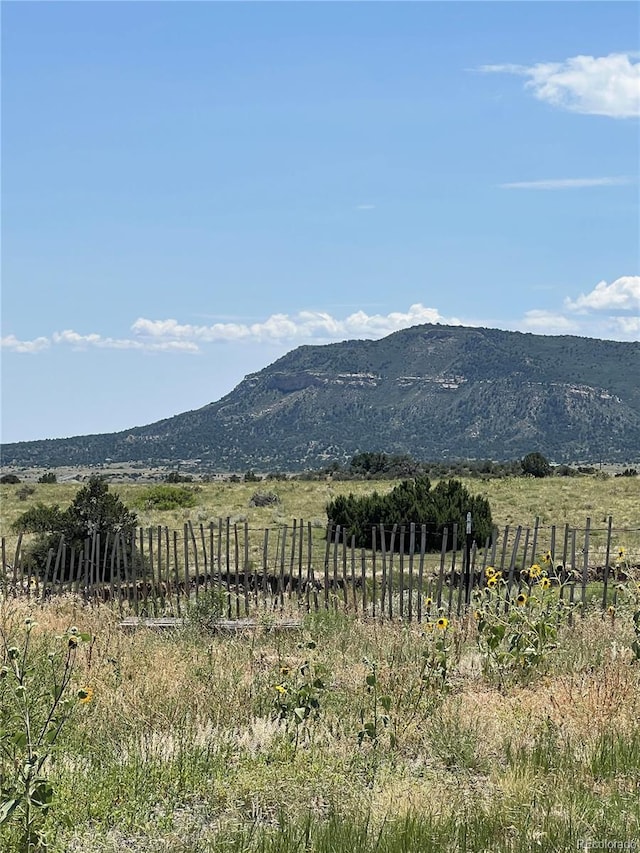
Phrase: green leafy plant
(516, 635)
(206, 608)
(436, 653)
(37, 698)
(375, 714)
(298, 694)
(166, 496)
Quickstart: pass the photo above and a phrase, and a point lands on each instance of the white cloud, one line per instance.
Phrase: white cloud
(282, 328)
(567, 183)
(172, 336)
(10, 342)
(308, 326)
(94, 340)
(628, 325)
(609, 311)
(548, 322)
(594, 85)
(623, 294)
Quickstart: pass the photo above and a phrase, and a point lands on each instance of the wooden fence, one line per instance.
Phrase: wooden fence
(162, 572)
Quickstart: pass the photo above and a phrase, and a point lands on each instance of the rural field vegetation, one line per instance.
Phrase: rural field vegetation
(513, 500)
(499, 731)
(259, 504)
(345, 735)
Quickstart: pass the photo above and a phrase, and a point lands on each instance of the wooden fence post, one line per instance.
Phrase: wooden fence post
(327, 557)
(16, 564)
(383, 546)
(373, 569)
(423, 535)
(443, 557)
(236, 560)
(310, 578)
(3, 582)
(227, 553)
(585, 565)
(605, 578)
(401, 571)
(392, 546)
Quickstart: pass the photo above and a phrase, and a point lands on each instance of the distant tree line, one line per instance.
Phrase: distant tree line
(384, 466)
(377, 465)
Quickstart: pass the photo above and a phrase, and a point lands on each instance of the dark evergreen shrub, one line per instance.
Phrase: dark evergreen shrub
(175, 477)
(536, 465)
(412, 501)
(95, 516)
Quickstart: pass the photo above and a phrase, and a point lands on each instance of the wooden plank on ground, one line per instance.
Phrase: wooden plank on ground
(168, 623)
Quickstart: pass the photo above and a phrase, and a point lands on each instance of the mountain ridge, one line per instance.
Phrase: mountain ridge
(430, 390)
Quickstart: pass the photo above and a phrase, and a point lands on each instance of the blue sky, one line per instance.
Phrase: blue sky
(190, 190)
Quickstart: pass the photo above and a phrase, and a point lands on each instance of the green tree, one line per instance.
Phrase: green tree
(96, 515)
(536, 465)
(175, 477)
(49, 477)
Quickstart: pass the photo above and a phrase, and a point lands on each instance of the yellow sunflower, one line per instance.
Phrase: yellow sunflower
(85, 695)
(442, 623)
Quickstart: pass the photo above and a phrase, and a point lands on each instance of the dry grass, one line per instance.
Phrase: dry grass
(193, 714)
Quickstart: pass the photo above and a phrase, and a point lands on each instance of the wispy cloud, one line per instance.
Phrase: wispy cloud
(594, 85)
(365, 207)
(548, 322)
(305, 326)
(623, 294)
(10, 342)
(567, 183)
(93, 340)
(629, 326)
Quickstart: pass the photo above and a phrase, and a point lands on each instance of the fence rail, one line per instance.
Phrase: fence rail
(161, 572)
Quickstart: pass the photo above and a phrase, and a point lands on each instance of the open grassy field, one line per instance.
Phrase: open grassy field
(414, 741)
(514, 501)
